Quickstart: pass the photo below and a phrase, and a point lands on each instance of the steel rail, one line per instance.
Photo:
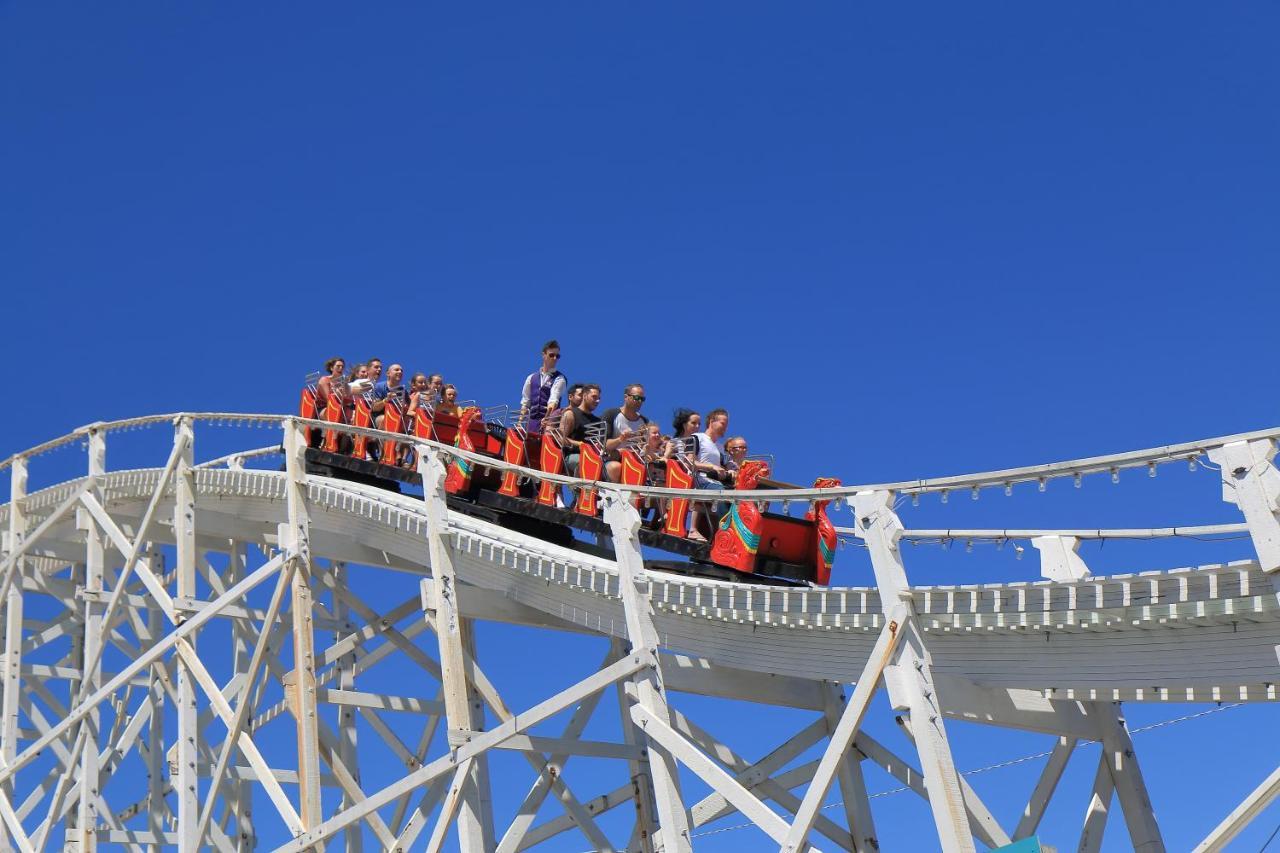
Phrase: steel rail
(1007, 477)
(1078, 533)
(81, 433)
(271, 450)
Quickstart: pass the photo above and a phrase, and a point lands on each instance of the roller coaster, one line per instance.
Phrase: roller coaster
(195, 658)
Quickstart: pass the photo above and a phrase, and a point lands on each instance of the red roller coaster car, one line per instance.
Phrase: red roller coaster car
(749, 542)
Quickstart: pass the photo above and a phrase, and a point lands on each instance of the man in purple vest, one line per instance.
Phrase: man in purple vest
(543, 389)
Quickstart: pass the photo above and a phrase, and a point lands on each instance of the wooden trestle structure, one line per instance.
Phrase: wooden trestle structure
(187, 665)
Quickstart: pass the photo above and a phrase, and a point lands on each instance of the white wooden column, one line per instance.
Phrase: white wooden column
(295, 541)
(95, 565)
(243, 641)
(1252, 483)
(624, 522)
(1095, 815)
(646, 826)
(187, 756)
(346, 752)
(1045, 786)
(156, 759)
(1126, 775)
(475, 834)
(853, 788)
(11, 674)
(909, 676)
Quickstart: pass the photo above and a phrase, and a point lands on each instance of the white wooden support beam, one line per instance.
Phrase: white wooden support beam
(643, 798)
(295, 537)
(1013, 707)
(157, 774)
(1131, 788)
(1058, 558)
(184, 531)
(86, 838)
(347, 737)
(474, 834)
(714, 806)
(143, 660)
(242, 643)
(1242, 815)
(452, 802)
(224, 711)
(516, 724)
(1252, 483)
(687, 674)
(751, 808)
(11, 672)
(909, 677)
(596, 806)
(235, 726)
(17, 550)
(755, 780)
(414, 825)
(853, 787)
(480, 780)
(624, 523)
(1045, 786)
(1095, 816)
(846, 730)
(552, 769)
(981, 821)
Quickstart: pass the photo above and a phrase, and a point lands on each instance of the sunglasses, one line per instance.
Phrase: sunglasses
(639, 398)
(736, 449)
(553, 355)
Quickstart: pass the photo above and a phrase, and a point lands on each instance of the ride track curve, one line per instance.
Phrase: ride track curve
(109, 578)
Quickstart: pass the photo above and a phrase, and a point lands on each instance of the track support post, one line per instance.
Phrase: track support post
(187, 755)
(463, 708)
(11, 672)
(1122, 760)
(347, 738)
(909, 675)
(853, 787)
(295, 543)
(1252, 483)
(95, 569)
(243, 642)
(624, 523)
(1058, 558)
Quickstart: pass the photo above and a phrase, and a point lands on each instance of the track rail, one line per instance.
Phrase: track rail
(1002, 478)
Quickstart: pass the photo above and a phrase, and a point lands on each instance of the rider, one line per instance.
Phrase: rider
(573, 427)
(392, 386)
(543, 389)
(709, 458)
(621, 422)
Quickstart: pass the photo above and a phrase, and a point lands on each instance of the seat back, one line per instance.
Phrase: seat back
(335, 412)
(550, 460)
(458, 480)
(362, 417)
(634, 471)
(393, 420)
(590, 465)
(307, 409)
(513, 453)
(824, 533)
(679, 476)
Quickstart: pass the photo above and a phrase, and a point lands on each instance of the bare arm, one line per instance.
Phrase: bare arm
(566, 427)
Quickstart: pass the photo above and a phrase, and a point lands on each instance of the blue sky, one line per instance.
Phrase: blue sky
(894, 241)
